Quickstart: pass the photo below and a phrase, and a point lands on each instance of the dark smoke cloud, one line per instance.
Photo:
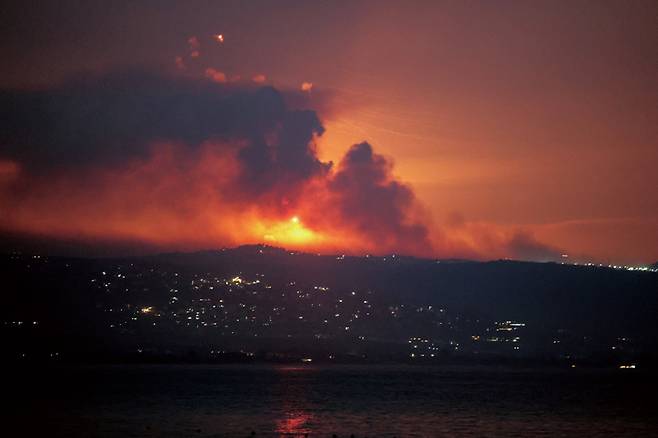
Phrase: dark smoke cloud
(378, 205)
(107, 120)
(524, 246)
(144, 156)
(113, 121)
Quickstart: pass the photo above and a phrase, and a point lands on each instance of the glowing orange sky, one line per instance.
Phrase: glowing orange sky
(511, 116)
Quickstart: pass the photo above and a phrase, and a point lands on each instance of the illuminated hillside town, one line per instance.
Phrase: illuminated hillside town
(152, 309)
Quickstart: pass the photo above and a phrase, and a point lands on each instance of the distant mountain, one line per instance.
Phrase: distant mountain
(264, 300)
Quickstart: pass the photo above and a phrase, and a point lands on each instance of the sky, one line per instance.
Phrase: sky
(472, 129)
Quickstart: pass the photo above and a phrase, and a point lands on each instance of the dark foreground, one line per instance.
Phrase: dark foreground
(232, 401)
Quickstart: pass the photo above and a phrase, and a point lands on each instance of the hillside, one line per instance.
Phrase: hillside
(269, 301)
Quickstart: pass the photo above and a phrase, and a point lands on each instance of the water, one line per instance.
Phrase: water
(374, 401)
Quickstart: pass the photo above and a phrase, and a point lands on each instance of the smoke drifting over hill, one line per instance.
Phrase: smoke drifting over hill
(183, 163)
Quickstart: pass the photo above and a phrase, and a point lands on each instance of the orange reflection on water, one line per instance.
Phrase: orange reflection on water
(295, 418)
(294, 423)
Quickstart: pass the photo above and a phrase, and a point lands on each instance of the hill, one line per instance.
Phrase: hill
(269, 302)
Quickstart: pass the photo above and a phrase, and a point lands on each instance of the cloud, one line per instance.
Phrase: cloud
(216, 75)
(193, 42)
(184, 161)
(486, 240)
(377, 205)
(194, 45)
(9, 170)
(187, 163)
(107, 120)
(524, 246)
(180, 64)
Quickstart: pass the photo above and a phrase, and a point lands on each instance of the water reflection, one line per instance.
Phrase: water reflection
(295, 419)
(294, 423)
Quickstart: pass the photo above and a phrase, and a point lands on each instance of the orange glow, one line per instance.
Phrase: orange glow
(9, 170)
(187, 201)
(553, 134)
(216, 75)
(259, 79)
(171, 200)
(180, 64)
(193, 42)
(295, 423)
(291, 233)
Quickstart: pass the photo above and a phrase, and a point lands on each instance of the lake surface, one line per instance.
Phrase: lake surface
(374, 401)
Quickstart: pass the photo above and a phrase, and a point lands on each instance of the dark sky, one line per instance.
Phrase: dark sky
(523, 129)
